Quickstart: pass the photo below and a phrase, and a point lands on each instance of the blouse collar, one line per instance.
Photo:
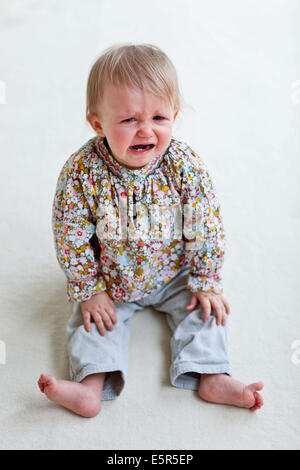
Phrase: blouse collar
(102, 149)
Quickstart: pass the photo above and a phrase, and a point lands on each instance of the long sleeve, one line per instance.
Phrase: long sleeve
(73, 229)
(205, 255)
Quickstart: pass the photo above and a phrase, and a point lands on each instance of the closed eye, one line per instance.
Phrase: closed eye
(157, 118)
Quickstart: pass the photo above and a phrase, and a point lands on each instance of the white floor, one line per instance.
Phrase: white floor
(239, 68)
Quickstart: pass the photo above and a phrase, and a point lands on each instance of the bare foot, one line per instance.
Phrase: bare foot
(221, 388)
(82, 398)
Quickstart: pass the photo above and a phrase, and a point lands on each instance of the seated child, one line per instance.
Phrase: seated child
(137, 223)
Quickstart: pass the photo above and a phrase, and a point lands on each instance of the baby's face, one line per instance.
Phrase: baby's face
(128, 117)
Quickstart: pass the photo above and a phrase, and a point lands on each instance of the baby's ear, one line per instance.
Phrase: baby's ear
(94, 121)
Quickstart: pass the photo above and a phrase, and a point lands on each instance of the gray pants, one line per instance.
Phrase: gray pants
(197, 347)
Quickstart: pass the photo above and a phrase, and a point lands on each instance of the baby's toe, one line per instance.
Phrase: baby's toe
(259, 401)
(44, 381)
(41, 381)
(256, 386)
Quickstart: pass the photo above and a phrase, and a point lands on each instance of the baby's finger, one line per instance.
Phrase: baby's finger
(98, 320)
(107, 320)
(87, 320)
(227, 308)
(206, 307)
(219, 310)
(113, 307)
(112, 313)
(193, 303)
(222, 319)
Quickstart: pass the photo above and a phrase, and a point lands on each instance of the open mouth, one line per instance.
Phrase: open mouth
(142, 148)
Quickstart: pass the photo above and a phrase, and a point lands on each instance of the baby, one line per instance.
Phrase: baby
(137, 223)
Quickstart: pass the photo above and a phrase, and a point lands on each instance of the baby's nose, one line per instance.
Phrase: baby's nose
(145, 130)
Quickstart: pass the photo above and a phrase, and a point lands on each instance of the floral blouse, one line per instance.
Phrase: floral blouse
(102, 235)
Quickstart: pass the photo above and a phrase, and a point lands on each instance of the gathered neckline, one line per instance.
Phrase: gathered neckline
(122, 171)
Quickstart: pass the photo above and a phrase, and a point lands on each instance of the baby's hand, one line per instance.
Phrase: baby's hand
(210, 300)
(102, 309)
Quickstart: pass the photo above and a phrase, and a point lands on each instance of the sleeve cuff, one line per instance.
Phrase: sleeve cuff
(78, 291)
(198, 283)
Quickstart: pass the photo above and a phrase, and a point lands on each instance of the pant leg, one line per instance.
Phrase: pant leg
(197, 347)
(90, 353)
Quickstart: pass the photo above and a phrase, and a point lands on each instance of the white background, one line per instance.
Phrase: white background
(239, 69)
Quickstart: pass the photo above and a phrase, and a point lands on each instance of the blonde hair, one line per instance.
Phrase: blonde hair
(143, 66)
